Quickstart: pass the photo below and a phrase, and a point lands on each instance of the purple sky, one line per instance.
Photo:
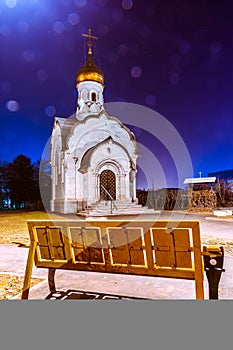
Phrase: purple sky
(172, 56)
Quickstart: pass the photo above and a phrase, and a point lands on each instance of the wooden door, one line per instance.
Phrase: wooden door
(108, 181)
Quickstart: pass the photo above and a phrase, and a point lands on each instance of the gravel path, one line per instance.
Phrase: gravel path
(11, 285)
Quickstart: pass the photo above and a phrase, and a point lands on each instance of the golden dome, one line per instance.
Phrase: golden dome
(90, 71)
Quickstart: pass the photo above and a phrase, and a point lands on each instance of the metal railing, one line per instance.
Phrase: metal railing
(111, 199)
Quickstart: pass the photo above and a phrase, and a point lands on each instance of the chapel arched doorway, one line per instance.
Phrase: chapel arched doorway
(108, 182)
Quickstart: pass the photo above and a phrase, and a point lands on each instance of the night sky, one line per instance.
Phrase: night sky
(175, 57)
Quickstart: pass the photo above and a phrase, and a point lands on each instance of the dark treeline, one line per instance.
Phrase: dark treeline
(19, 183)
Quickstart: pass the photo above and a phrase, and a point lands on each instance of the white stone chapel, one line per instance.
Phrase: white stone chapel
(93, 156)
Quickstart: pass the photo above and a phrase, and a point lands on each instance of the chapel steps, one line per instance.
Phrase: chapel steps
(103, 208)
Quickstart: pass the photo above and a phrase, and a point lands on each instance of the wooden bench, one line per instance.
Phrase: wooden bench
(144, 247)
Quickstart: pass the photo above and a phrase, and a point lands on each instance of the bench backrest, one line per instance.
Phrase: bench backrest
(143, 247)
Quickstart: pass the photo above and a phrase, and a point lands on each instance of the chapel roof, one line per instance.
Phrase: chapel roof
(85, 162)
(90, 71)
(66, 125)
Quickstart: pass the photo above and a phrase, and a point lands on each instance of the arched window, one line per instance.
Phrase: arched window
(93, 97)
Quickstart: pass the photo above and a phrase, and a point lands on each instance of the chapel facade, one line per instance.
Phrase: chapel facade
(93, 155)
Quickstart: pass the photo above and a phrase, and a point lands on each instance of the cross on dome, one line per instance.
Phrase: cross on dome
(90, 40)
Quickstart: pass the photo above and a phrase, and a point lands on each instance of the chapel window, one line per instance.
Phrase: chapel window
(93, 97)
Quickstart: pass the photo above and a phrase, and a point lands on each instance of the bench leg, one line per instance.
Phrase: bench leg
(28, 271)
(51, 280)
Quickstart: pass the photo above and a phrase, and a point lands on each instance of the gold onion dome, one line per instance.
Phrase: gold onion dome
(90, 71)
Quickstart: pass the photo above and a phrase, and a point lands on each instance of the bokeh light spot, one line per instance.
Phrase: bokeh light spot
(185, 46)
(103, 29)
(174, 78)
(58, 27)
(102, 2)
(144, 31)
(11, 3)
(80, 3)
(150, 100)
(50, 111)
(67, 2)
(215, 47)
(5, 29)
(127, 4)
(117, 15)
(29, 55)
(73, 18)
(12, 105)
(42, 75)
(136, 71)
(23, 27)
(122, 50)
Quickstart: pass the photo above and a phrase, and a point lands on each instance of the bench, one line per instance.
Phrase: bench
(138, 247)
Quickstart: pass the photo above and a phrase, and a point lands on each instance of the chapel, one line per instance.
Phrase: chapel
(93, 155)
